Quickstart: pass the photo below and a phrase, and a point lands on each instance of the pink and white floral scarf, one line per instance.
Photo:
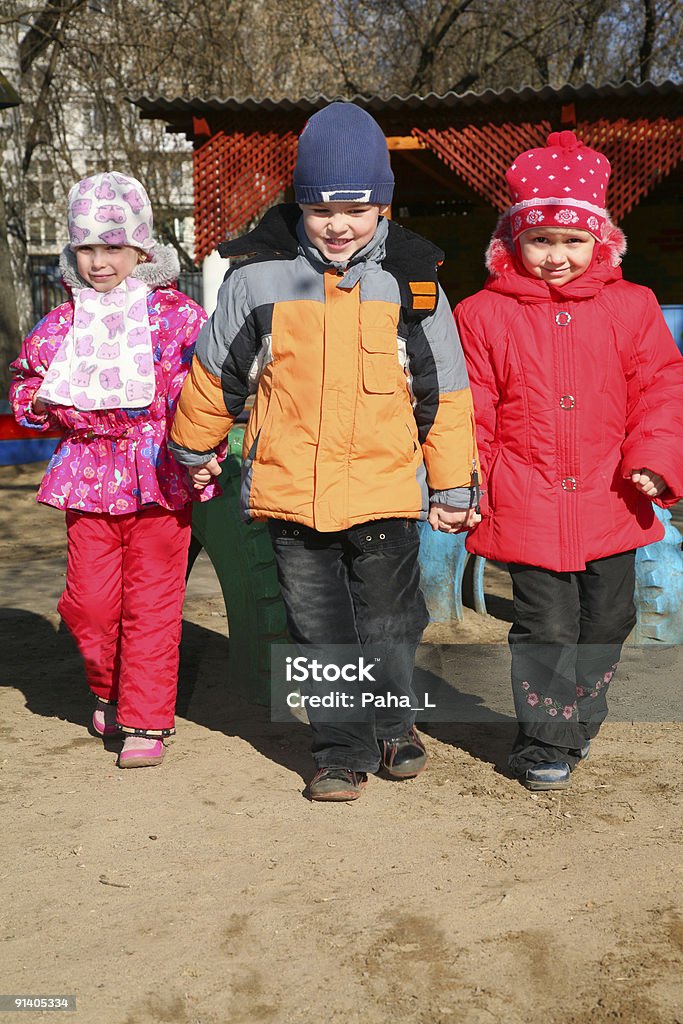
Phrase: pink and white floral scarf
(106, 360)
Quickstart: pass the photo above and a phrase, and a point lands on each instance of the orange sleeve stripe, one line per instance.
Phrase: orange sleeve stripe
(201, 421)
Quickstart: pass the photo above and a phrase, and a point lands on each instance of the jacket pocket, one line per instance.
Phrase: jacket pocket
(491, 480)
(380, 360)
(247, 475)
(249, 457)
(261, 418)
(411, 439)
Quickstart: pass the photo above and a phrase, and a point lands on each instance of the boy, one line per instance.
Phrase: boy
(362, 419)
(578, 391)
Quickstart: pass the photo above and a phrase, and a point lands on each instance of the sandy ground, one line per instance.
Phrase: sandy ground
(210, 891)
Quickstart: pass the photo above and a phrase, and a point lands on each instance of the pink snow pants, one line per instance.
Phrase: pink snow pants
(125, 584)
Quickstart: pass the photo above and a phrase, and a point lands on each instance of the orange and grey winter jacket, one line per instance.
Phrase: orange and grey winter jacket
(362, 406)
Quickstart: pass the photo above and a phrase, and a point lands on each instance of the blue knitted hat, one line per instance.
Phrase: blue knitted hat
(343, 157)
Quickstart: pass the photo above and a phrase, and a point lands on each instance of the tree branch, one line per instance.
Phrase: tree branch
(647, 42)
(465, 83)
(44, 29)
(447, 17)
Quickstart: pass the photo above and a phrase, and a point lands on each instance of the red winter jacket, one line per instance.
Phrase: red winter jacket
(573, 388)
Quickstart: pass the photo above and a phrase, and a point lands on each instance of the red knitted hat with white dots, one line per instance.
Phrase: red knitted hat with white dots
(561, 185)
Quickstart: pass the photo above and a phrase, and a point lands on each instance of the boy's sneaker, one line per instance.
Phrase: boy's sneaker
(405, 756)
(548, 775)
(337, 784)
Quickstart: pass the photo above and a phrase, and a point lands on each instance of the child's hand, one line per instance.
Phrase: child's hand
(452, 520)
(39, 406)
(647, 482)
(201, 475)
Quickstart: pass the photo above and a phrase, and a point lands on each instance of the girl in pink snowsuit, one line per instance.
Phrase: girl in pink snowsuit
(107, 368)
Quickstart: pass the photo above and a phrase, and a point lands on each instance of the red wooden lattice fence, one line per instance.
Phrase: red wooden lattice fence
(641, 152)
(481, 154)
(236, 177)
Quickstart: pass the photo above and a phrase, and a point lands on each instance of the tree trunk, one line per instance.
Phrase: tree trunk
(10, 330)
(15, 291)
(647, 42)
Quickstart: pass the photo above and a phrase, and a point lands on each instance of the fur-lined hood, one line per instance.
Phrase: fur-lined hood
(501, 257)
(161, 271)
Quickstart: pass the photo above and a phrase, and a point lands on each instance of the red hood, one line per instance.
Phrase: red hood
(510, 278)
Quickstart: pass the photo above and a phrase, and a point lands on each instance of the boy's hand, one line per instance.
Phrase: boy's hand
(201, 475)
(452, 520)
(647, 482)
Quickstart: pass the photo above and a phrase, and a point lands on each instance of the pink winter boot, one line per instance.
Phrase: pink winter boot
(104, 719)
(141, 752)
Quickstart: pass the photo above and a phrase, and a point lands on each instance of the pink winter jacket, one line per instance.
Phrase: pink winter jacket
(573, 388)
(114, 461)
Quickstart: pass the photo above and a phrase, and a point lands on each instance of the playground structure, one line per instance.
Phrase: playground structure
(659, 587)
(449, 576)
(242, 557)
(22, 444)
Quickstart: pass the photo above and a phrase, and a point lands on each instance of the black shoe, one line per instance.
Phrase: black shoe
(404, 757)
(337, 784)
(548, 775)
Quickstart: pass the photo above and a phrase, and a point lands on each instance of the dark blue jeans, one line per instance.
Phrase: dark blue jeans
(361, 588)
(566, 640)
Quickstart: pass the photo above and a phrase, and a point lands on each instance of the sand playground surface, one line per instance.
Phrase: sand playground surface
(209, 890)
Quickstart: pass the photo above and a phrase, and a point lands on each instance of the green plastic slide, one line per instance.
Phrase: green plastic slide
(242, 556)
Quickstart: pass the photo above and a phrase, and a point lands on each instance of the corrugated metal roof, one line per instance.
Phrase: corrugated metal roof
(179, 110)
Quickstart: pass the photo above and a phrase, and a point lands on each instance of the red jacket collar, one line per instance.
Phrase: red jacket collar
(522, 286)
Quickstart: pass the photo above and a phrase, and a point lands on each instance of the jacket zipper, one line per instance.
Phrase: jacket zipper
(475, 491)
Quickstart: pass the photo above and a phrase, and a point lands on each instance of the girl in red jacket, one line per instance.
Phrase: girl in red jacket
(578, 394)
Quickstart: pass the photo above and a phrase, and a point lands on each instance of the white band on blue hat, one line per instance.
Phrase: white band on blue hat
(347, 196)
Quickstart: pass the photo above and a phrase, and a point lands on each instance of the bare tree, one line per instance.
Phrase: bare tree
(446, 19)
(441, 45)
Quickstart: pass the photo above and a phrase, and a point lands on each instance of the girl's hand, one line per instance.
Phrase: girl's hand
(201, 475)
(39, 406)
(648, 483)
